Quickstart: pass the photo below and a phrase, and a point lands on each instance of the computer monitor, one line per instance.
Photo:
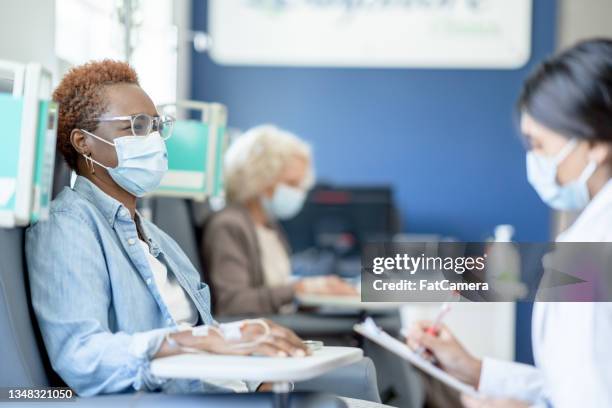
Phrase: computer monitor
(343, 219)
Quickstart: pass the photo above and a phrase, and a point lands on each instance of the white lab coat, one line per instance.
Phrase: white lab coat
(572, 342)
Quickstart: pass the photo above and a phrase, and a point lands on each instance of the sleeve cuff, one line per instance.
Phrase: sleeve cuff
(283, 294)
(504, 379)
(143, 347)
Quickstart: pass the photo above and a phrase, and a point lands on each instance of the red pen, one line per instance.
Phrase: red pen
(435, 327)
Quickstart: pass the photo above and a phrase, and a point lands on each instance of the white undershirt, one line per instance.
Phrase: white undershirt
(274, 258)
(180, 306)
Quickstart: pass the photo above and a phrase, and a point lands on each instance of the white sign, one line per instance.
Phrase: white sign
(371, 33)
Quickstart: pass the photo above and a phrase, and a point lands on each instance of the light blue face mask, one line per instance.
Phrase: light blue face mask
(542, 174)
(142, 162)
(286, 202)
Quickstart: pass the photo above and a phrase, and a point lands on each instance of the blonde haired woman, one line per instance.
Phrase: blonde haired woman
(268, 172)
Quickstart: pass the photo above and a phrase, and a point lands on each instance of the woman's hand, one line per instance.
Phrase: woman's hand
(325, 285)
(471, 402)
(336, 286)
(452, 357)
(280, 341)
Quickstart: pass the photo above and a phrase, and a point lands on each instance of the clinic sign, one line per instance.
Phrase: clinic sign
(372, 33)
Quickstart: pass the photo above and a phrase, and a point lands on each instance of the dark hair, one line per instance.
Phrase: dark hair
(81, 99)
(571, 93)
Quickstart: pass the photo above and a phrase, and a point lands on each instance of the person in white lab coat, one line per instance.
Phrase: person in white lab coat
(566, 117)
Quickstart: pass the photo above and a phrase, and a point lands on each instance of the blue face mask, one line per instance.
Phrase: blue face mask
(142, 162)
(286, 202)
(542, 174)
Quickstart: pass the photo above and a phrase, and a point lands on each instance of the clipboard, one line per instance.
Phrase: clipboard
(370, 330)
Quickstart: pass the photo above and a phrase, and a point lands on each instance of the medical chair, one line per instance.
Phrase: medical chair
(23, 361)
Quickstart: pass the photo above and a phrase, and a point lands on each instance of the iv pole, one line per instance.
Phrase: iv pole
(126, 19)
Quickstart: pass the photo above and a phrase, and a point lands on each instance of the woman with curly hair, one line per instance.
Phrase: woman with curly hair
(110, 290)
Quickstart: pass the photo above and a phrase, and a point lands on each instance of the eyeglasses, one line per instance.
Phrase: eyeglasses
(143, 124)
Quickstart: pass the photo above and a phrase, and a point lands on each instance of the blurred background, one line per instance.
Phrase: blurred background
(426, 140)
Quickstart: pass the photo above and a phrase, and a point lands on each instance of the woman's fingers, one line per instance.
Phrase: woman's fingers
(265, 349)
(275, 346)
(326, 285)
(335, 285)
(346, 289)
(414, 345)
(288, 341)
(420, 326)
(288, 335)
(285, 348)
(418, 336)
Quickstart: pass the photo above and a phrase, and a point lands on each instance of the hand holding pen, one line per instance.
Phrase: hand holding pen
(450, 355)
(434, 329)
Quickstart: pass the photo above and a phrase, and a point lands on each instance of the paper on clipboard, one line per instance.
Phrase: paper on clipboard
(371, 331)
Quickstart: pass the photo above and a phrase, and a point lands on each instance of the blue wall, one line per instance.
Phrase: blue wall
(444, 139)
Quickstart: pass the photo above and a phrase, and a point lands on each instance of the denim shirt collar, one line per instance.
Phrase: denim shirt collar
(154, 249)
(107, 205)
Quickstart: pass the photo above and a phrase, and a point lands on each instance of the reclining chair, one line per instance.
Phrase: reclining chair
(25, 363)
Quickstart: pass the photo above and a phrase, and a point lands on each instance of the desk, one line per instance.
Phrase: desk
(279, 371)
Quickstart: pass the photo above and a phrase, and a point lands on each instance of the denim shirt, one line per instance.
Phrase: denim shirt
(100, 313)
